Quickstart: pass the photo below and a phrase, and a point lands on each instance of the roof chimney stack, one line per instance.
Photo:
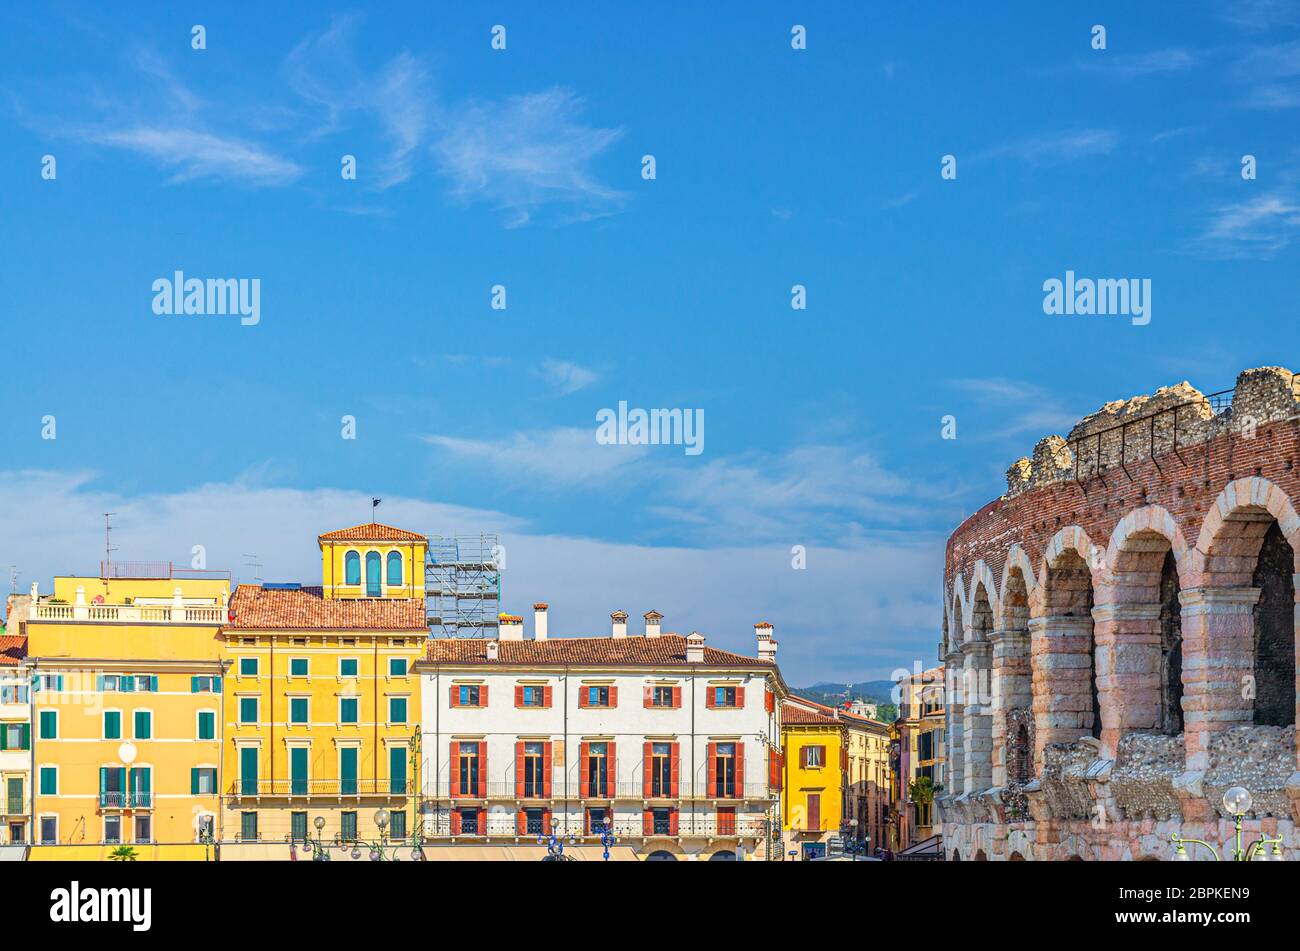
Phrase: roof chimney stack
(618, 624)
(492, 648)
(695, 648)
(511, 627)
(652, 619)
(766, 642)
(539, 620)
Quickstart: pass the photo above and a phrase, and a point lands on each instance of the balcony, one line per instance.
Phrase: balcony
(621, 792)
(130, 613)
(16, 806)
(318, 788)
(505, 825)
(125, 800)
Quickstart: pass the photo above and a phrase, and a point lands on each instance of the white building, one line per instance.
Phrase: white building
(675, 743)
(15, 732)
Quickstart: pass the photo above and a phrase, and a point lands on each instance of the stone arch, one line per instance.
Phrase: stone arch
(1243, 616)
(980, 856)
(956, 856)
(1015, 857)
(960, 615)
(1065, 699)
(982, 576)
(1138, 626)
(1012, 684)
(977, 690)
(1017, 560)
(954, 675)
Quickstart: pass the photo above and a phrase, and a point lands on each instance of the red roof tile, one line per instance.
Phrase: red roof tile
(13, 648)
(668, 650)
(794, 714)
(372, 532)
(255, 607)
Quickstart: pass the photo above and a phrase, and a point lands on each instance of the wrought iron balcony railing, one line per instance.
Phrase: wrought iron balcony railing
(319, 788)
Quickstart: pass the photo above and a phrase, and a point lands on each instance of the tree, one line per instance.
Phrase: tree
(123, 853)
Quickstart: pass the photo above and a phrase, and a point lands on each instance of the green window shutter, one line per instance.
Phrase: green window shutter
(103, 782)
(397, 769)
(194, 685)
(153, 683)
(216, 684)
(99, 683)
(26, 736)
(194, 780)
(4, 738)
(58, 682)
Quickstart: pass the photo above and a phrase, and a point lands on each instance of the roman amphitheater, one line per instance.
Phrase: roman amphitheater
(1119, 633)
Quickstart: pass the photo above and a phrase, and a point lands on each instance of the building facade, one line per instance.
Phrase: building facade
(674, 743)
(919, 756)
(126, 674)
(1119, 632)
(814, 742)
(868, 782)
(322, 706)
(15, 736)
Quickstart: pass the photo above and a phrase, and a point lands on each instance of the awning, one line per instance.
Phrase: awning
(475, 852)
(930, 849)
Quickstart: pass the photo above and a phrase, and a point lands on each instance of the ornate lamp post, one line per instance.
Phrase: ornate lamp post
(1236, 803)
(607, 837)
(555, 844)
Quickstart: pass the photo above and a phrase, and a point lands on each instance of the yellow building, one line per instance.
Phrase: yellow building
(868, 782)
(813, 740)
(920, 759)
(126, 677)
(322, 709)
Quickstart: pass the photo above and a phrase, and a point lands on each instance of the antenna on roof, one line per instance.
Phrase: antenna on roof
(108, 547)
(374, 504)
(255, 565)
(13, 578)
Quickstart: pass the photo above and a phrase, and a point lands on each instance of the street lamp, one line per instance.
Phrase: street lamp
(1236, 803)
(554, 844)
(607, 837)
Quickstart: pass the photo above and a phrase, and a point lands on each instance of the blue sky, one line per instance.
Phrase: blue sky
(522, 167)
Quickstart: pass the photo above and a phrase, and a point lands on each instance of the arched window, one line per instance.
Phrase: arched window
(1275, 631)
(352, 568)
(394, 569)
(373, 588)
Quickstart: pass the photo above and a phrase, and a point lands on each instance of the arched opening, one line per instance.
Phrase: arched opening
(1013, 745)
(1171, 649)
(1064, 676)
(1020, 766)
(1075, 858)
(980, 856)
(978, 695)
(956, 856)
(352, 568)
(373, 587)
(722, 857)
(661, 856)
(1275, 630)
(1015, 857)
(394, 569)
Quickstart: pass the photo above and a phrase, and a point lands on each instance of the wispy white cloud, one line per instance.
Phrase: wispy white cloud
(1022, 408)
(1133, 65)
(526, 151)
(200, 155)
(562, 457)
(565, 377)
(1055, 147)
(1258, 15)
(1256, 227)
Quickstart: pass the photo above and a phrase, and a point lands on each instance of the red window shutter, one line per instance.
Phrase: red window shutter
(521, 822)
(821, 755)
(519, 695)
(519, 769)
(583, 694)
(455, 822)
(584, 753)
(672, 822)
(482, 822)
(769, 701)
(814, 812)
(611, 773)
(740, 770)
(482, 768)
(455, 696)
(546, 820)
(675, 757)
(712, 755)
(740, 697)
(455, 769)
(710, 695)
(546, 696)
(677, 698)
(613, 696)
(647, 767)
(648, 822)
(649, 697)
(803, 757)
(482, 696)
(547, 769)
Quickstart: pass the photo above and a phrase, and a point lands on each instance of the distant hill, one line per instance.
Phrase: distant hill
(873, 691)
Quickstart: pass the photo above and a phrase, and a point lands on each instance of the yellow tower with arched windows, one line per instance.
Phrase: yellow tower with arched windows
(372, 561)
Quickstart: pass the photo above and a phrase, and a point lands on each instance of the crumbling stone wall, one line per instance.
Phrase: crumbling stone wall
(1275, 631)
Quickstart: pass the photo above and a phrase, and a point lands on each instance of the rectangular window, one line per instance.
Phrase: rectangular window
(596, 819)
(112, 829)
(248, 709)
(201, 684)
(661, 821)
(726, 820)
(348, 667)
(298, 667)
(468, 769)
(49, 830)
(396, 824)
(298, 770)
(724, 696)
(662, 697)
(724, 786)
(143, 724)
(397, 770)
(141, 792)
(349, 823)
(15, 736)
(14, 790)
(298, 826)
(112, 724)
(248, 826)
(207, 725)
(815, 757)
(397, 666)
(49, 781)
(534, 767)
(143, 829)
(533, 696)
(203, 780)
(112, 787)
(597, 770)
(469, 694)
(248, 770)
(347, 709)
(248, 666)
(535, 822)
(661, 770)
(396, 709)
(469, 822)
(49, 682)
(49, 725)
(297, 709)
(597, 696)
(15, 693)
(348, 770)
(814, 812)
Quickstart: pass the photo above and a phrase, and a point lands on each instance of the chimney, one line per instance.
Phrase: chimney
(618, 624)
(652, 619)
(695, 648)
(539, 620)
(511, 627)
(766, 642)
(492, 648)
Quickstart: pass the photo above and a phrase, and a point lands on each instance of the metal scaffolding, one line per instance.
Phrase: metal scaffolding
(462, 585)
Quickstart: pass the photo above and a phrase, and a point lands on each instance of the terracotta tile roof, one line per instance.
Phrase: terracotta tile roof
(13, 648)
(668, 650)
(305, 609)
(372, 532)
(792, 713)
